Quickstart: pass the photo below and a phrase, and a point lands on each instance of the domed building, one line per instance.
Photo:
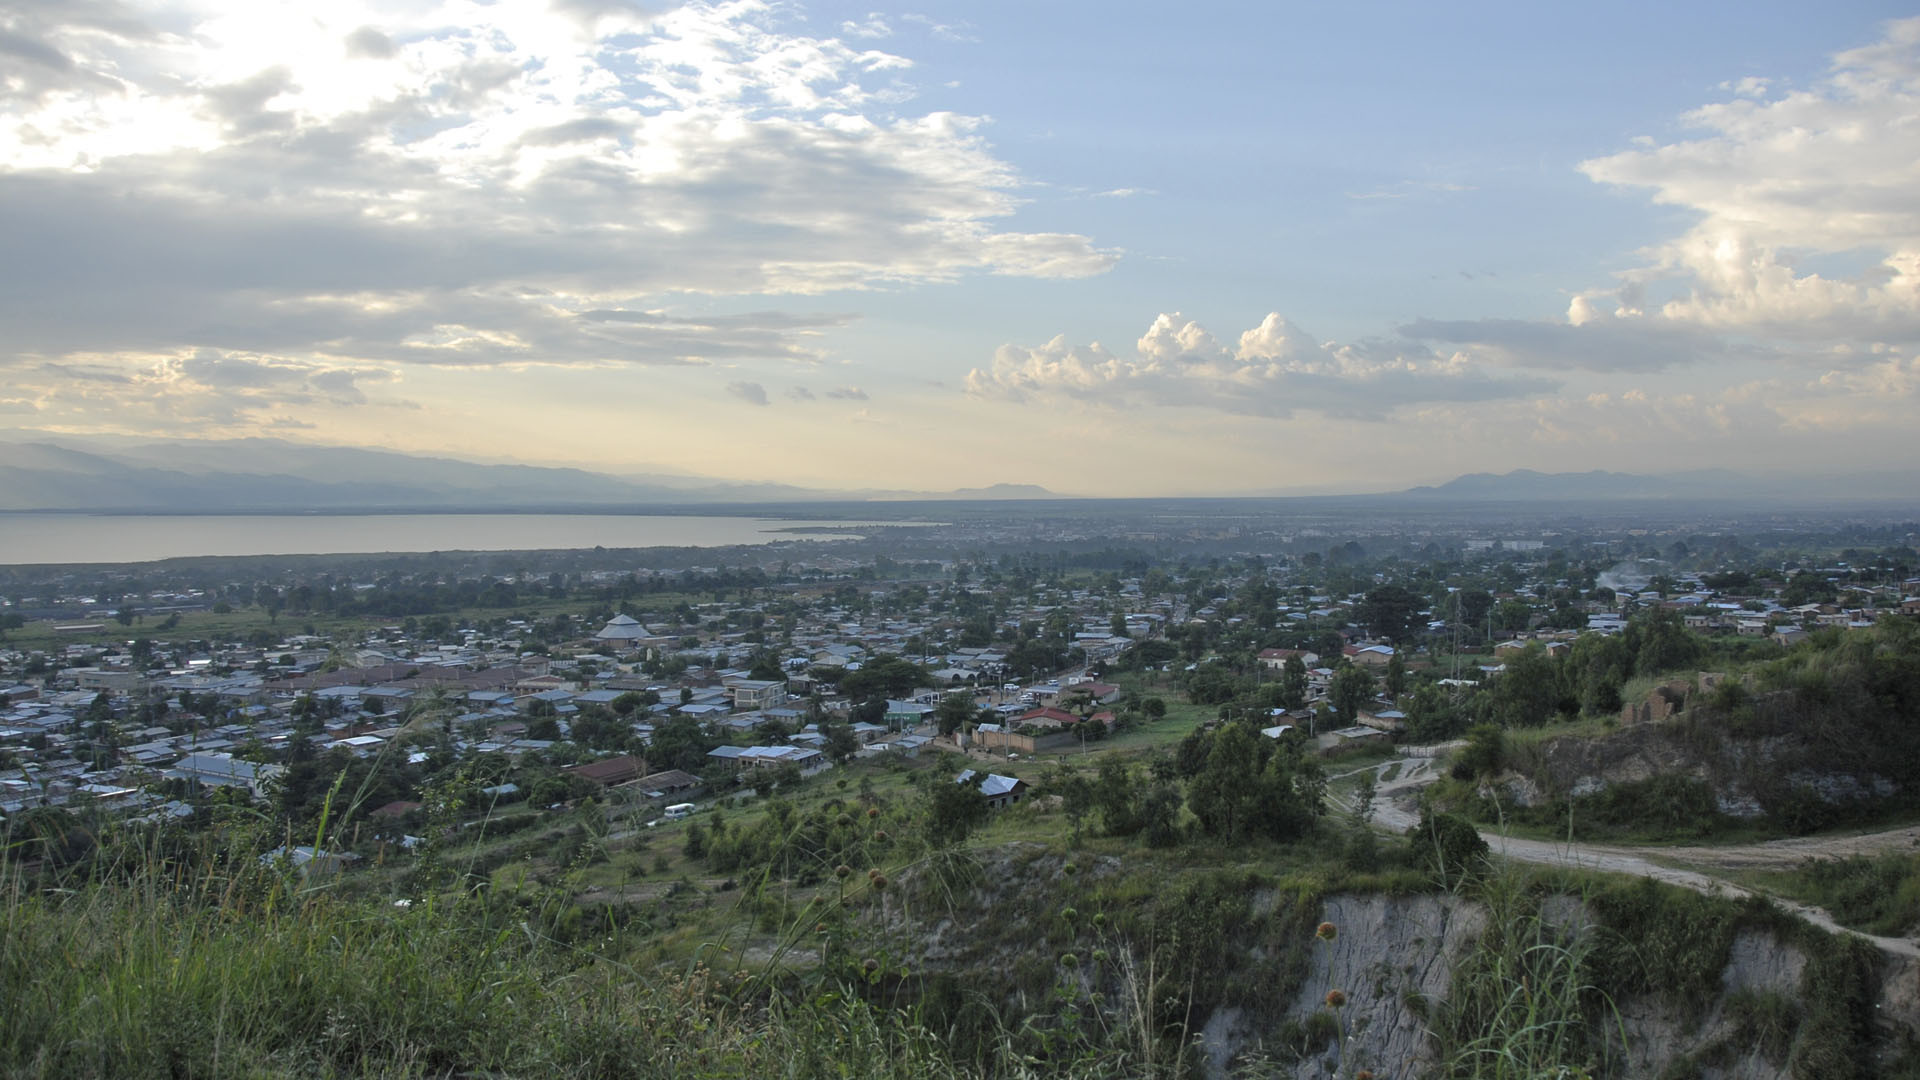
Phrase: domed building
(623, 630)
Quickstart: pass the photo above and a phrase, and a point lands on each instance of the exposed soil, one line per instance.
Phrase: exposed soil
(1396, 808)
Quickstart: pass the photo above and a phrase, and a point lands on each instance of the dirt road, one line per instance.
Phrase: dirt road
(1396, 808)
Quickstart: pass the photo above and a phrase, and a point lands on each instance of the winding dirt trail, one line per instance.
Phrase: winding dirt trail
(1396, 808)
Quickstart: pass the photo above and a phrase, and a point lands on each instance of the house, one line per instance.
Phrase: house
(611, 771)
(224, 770)
(808, 759)
(1046, 717)
(663, 784)
(906, 714)
(999, 791)
(1789, 636)
(1370, 655)
(1382, 719)
(1104, 693)
(749, 694)
(1276, 659)
(309, 861)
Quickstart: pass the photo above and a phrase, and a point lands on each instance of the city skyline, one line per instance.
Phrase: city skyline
(958, 245)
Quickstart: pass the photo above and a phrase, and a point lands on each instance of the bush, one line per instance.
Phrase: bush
(1447, 846)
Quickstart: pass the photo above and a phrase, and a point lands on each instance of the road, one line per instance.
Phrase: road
(1396, 808)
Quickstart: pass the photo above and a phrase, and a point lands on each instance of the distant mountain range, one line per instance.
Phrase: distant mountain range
(59, 472)
(1526, 485)
(70, 473)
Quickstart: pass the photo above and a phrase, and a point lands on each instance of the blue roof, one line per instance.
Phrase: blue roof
(994, 784)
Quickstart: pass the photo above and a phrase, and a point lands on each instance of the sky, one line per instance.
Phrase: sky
(1109, 248)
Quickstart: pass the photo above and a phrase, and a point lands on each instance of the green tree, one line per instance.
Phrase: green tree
(1396, 676)
(954, 711)
(1350, 691)
(1598, 666)
(1293, 684)
(1391, 612)
(954, 809)
(1115, 794)
(1528, 692)
(1662, 643)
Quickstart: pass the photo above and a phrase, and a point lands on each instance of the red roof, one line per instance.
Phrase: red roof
(1047, 716)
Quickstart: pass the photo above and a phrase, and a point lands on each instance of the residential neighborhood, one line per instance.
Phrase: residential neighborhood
(734, 679)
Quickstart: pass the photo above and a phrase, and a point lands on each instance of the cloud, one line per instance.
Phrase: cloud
(848, 393)
(1275, 370)
(1124, 193)
(185, 392)
(1409, 188)
(875, 26)
(750, 392)
(463, 185)
(368, 43)
(799, 393)
(1614, 345)
(961, 32)
(1808, 217)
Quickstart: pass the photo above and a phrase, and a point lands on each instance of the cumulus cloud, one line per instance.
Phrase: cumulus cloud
(1805, 244)
(750, 392)
(454, 184)
(1274, 370)
(848, 393)
(1808, 215)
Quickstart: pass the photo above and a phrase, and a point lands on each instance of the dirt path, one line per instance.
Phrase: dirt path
(1396, 808)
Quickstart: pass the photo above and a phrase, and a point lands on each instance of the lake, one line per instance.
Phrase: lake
(117, 538)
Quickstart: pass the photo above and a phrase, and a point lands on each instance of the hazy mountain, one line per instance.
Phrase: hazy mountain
(69, 473)
(1004, 491)
(1526, 485)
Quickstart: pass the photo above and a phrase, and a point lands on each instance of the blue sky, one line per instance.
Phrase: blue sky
(1112, 249)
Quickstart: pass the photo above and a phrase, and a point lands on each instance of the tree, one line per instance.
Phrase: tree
(1473, 605)
(1661, 643)
(1396, 676)
(955, 808)
(679, 743)
(1528, 692)
(884, 676)
(842, 743)
(1114, 794)
(1598, 666)
(1293, 683)
(1391, 612)
(1447, 846)
(1484, 755)
(1251, 786)
(1512, 614)
(1350, 691)
(955, 710)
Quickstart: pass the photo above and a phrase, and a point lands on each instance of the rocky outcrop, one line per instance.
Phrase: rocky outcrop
(1392, 958)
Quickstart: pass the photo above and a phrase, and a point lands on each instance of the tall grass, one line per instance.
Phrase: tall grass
(259, 975)
(1523, 1005)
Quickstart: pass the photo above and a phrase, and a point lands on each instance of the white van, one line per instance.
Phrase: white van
(679, 810)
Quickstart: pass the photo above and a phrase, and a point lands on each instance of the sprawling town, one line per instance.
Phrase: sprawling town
(657, 686)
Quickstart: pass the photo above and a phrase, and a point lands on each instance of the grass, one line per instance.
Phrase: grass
(1877, 894)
